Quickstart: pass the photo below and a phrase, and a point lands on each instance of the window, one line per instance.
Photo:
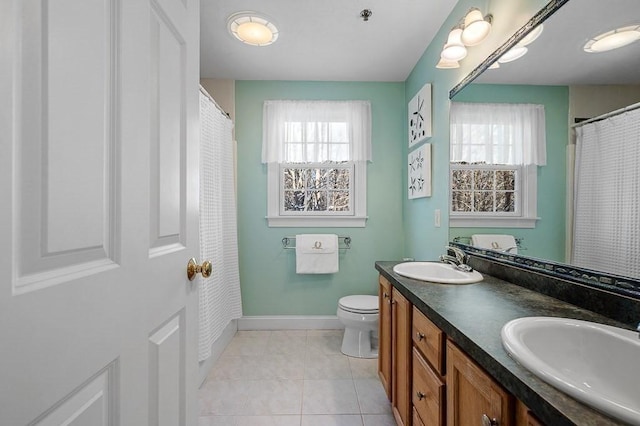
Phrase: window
(495, 149)
(316, 154)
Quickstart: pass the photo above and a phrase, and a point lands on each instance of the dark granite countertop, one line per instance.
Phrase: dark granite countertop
(472, 315)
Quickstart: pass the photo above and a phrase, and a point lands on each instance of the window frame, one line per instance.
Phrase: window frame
(275, 193)
(526, 186)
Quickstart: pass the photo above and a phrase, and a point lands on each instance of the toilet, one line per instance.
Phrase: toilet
(359, 314)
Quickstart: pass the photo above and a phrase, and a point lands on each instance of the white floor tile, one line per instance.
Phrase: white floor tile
(267, 421)
(332, 420)
(372, 397)
(379, 420)
(330, 397)
(292, 378)
(269, 397)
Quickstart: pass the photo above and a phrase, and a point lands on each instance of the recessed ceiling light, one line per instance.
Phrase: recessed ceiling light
(512, 54)
(532, 36)
(613, 39)
(252, 28)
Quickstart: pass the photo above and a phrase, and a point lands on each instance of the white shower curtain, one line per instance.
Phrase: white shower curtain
(220, 293)
(607, 195)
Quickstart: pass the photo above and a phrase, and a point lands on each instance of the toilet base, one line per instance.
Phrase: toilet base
(358, 344)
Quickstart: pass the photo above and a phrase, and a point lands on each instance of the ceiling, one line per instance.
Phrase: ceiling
(322, 40)
(557, 56)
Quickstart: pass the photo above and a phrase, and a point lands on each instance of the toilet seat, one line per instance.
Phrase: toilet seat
(359, 304)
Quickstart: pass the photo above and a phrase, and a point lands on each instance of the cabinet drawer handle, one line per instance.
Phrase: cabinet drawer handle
(420, 395)
(420, 335)
(486, 421)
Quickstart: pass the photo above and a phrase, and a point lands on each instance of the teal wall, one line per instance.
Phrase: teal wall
(270, 285)
(423, 240)
(547, 239)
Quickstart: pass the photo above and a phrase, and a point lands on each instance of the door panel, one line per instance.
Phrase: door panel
(64, 124)
(168, 133)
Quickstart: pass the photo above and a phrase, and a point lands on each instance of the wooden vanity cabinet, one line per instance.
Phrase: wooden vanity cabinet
(473, 397)
(394, 352)
(432, 382)
(384, 334)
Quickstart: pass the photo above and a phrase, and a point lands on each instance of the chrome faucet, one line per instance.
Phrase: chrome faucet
(459, 262)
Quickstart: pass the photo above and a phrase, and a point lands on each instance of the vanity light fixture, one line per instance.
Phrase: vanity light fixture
(613, 39)
(454, 49)
(252, 28)
(447, 64)
(516, 52)
(476, 27)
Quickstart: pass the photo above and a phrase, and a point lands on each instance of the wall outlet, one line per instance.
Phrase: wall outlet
(436, 218)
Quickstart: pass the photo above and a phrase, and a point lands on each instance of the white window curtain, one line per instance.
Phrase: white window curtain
(512, 134)
(219, 297)
(316, 131)
(607, 195)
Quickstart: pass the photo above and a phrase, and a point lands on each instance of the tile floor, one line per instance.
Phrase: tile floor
(292, 377)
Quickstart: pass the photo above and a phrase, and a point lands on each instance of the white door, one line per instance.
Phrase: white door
(98, 211)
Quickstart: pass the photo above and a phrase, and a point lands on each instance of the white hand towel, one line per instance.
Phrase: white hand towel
(316, 254)
(505, 243)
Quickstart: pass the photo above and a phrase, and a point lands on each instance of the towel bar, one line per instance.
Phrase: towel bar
(287, 241)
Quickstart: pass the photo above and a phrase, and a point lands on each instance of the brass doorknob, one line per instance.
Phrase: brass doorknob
(193, 269)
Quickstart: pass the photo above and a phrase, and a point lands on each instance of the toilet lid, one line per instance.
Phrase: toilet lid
(361, 304)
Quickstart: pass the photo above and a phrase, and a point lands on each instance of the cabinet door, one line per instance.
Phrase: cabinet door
(384, 334)
(472, 395)
(401, 358)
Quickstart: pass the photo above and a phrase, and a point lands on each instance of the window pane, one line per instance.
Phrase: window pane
(316, 201)
(483, 201)
(339, 201)
(461, 201)
(505, 202)
(317, 179)
(294, 200)
(338, 132)
(506, 180)
(483, 179)
(295, 178)
(461, 179)
(339, 178)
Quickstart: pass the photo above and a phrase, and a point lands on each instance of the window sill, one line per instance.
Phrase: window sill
(492, 222)
(316, 222)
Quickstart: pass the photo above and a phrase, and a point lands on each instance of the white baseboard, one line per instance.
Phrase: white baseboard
(216, 350)
(290, 322)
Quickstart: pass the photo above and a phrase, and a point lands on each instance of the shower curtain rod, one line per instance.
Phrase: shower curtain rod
(607, 115)
(204, 92)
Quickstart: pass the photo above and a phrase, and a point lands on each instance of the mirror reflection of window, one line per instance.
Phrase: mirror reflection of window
(495, 148)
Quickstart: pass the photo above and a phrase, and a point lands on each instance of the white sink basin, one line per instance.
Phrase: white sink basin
(436, 272)
(594, 363)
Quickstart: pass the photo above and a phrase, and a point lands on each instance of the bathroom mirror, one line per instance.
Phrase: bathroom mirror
(579, 85)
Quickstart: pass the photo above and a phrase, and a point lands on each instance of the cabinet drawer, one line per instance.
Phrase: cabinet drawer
(428, 392)
(417, 421)
(429, 339)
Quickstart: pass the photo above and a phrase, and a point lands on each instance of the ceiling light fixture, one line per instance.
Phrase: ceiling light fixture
(532, 36)
(516, 52)
(613, 39)
(445, 64)
(476, 27)
(252, 28)
(454, 49)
